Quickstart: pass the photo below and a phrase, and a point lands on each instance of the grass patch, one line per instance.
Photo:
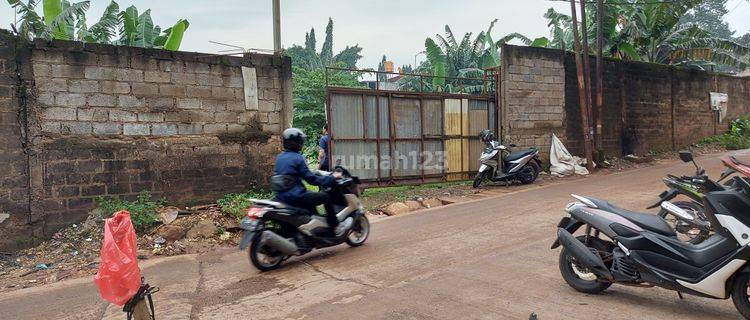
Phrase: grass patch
(403, 189)
(236, 204)
(737, 138)
(142, 210)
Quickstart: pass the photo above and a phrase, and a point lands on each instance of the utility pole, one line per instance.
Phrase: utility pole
(599, 80)
(581, 91)
(276, 27)
(587, 67)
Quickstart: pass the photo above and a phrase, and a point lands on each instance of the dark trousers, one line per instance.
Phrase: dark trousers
(310, 200)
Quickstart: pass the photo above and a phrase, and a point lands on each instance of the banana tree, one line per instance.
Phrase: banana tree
(67, 21)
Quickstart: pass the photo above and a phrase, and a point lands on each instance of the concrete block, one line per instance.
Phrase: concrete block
(212, 105)
(122, 116)
(125, 101)
(41, 70)
(85, 86)
(189, 128)
(209, 80)
(50, 126)
(80, 58)
(274, 118)
(230, 117)
(93, 114)
(130, 75)
(188, 103)
(51, 85)
(214, 128)
(198, 91)
(222, 93)
(144, 89)
(99, 73)
(114, 87)
(198, 67)
(172, 90)
(272, 128)
(233, 82)
(135, 129)
(246, 117)
(76, 127)
(235, 128)
(267, 105)
(59, 113)
(150, 117)
(236, 105)
(157, 76)
(160, 104)
(67, 71)
(47, 98)
(183, 78)
(163, 129)
(101, 100)
(107, 128)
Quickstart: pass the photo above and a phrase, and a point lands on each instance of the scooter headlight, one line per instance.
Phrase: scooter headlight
(572, 206)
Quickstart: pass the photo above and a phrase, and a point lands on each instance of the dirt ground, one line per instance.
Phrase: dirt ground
(74, 251)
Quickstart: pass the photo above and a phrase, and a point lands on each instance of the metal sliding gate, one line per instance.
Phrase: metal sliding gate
(389, 137)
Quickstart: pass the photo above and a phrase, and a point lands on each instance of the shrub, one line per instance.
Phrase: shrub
(737, 138)
(236, 204)
(142, 211)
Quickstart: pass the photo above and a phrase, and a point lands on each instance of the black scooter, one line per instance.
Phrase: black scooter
(275, 231)
(641, 249)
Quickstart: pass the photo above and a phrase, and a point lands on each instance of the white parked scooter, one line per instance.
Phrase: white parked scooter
(498, 164)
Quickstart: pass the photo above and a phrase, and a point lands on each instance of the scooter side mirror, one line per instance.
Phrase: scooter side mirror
(686, 156)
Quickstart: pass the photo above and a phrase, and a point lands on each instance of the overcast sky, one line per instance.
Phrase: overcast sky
(396, 28)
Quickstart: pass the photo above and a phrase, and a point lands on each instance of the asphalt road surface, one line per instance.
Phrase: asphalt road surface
(484, 259)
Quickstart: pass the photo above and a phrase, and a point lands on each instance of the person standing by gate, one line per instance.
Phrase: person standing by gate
(323, 161)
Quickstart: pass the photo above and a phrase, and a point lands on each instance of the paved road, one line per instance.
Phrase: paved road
(485, 259)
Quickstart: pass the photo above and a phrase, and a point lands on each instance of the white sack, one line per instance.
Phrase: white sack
(562, 163)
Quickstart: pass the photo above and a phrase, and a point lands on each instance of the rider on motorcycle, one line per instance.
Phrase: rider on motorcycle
(291, 168)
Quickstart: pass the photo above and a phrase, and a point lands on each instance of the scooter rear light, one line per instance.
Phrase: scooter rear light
(255, 212)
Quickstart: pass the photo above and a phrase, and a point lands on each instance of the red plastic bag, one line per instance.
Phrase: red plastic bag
(119, 277)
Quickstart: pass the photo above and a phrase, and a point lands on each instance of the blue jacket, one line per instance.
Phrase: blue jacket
(323, 144)
(293, 164)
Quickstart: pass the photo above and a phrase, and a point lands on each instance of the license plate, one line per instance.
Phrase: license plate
(247, 236)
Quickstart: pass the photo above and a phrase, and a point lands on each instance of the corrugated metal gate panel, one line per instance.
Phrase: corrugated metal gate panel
(432, 117)
(346, 116)
(435, 137)
(406, 119)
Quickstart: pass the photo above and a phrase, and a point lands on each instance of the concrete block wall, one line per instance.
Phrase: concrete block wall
(533, 97)
(647, 107)
(101, 120)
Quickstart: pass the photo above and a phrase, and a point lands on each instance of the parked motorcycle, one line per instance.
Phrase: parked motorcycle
(276, 231)
(642, 249)
(498, 164)
(693, 226)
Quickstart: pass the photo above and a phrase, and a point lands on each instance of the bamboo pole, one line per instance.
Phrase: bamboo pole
(581, 91)
(587, 67)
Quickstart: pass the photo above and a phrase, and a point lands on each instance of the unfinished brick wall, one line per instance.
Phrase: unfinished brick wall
(114, 121)
(647, 107)
(533, 97)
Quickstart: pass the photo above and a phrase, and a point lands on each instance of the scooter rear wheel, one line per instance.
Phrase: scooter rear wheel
(261, 258)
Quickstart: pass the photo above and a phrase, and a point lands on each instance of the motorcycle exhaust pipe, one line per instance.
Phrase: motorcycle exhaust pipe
(278, 243)
(583, 255)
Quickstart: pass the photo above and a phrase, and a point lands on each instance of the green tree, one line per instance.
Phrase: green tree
(306, 56)
(656, 32)
(308, 70)
(67, 21)
(709, 16)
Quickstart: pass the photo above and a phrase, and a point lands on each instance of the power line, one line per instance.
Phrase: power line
(625, 2)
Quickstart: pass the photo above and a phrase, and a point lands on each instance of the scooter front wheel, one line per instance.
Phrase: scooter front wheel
(479, 178)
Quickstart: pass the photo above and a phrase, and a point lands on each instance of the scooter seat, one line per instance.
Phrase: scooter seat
(706, 252)
(515, 155)
(646, 221)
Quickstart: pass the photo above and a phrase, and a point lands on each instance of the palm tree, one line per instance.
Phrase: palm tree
(67, 21)
(306, 57)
